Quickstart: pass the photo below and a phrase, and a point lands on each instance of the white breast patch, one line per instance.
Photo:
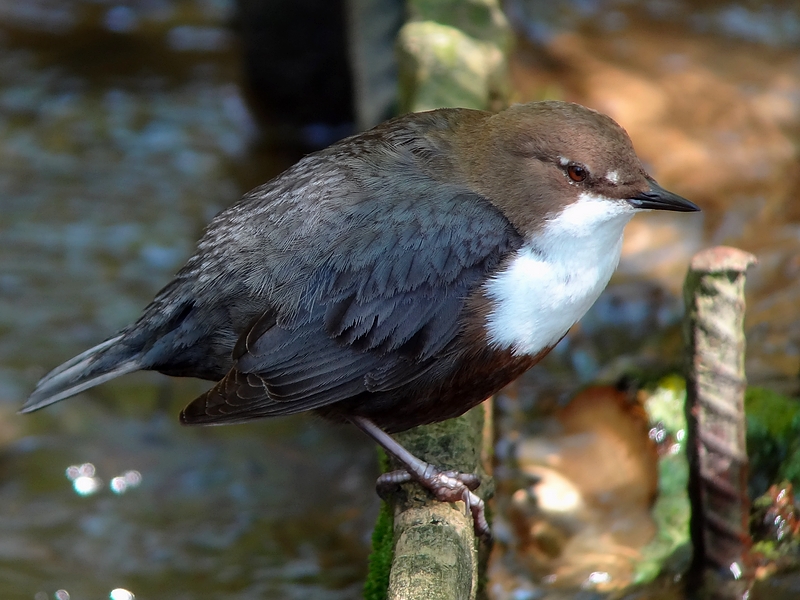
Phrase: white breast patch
(557, 275)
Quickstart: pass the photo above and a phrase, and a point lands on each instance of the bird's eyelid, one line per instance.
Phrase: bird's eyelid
(567, 163)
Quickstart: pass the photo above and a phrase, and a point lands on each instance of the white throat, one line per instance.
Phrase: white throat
(556, 276)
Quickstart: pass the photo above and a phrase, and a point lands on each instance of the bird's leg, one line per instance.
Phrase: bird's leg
(446, 486)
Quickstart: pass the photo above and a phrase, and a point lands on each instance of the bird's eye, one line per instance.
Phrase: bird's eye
(576, 172)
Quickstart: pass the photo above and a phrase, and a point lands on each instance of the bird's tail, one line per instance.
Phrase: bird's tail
(95, 366)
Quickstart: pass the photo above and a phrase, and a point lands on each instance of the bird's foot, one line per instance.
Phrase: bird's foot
(446, 486)
(389, 482)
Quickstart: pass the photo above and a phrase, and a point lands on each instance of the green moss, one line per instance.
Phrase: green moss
(441, 66)
(670, 550)
(767, 549)
(452, 444)
(453, 53)
(666, 404)
(773, 411)
(772, 524)
(773, 439)
(773, 446)
(380, 559)
(376, 585)
(480, 19)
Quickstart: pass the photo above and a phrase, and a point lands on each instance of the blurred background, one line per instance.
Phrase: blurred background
(126, 126)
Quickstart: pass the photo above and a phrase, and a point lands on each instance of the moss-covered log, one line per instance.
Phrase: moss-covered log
(435, 548)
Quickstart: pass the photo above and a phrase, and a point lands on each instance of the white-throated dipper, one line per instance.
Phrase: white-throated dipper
(397, 278)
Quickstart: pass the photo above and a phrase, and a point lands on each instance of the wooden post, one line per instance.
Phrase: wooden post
(715, 387)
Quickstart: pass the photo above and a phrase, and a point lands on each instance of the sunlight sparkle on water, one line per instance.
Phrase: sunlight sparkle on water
(736, 570)
(83, 480)
(126, 481)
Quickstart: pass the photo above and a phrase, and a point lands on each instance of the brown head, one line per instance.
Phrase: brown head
(533, 159)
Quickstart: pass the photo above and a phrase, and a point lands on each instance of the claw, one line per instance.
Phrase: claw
(446, 486)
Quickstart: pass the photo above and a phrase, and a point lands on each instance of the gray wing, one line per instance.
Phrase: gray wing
(366, 283)
(375, 316)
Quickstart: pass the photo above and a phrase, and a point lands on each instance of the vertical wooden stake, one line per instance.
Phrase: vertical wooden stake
(715, 385)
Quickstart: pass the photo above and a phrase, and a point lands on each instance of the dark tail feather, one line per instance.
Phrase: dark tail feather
(86, 370)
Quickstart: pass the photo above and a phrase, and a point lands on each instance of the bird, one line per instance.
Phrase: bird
(397, 278)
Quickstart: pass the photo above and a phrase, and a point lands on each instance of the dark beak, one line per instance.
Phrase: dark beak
(657, 198)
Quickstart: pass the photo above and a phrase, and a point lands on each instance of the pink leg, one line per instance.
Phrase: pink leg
(446, 486)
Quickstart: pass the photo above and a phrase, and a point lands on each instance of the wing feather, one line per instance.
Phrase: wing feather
(366, 304)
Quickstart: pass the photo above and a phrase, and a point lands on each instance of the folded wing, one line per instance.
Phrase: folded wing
(382, 300)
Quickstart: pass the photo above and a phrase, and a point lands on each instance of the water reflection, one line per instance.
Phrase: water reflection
(774, 24)
(596, 579)
(86, 483)
(83, 480)
(121, 19)
(126, 481)
(206, 39)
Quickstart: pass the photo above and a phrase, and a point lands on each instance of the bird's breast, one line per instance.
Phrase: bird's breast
(538, 296)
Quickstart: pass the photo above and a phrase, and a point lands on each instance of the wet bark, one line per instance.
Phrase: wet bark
(714, 296)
